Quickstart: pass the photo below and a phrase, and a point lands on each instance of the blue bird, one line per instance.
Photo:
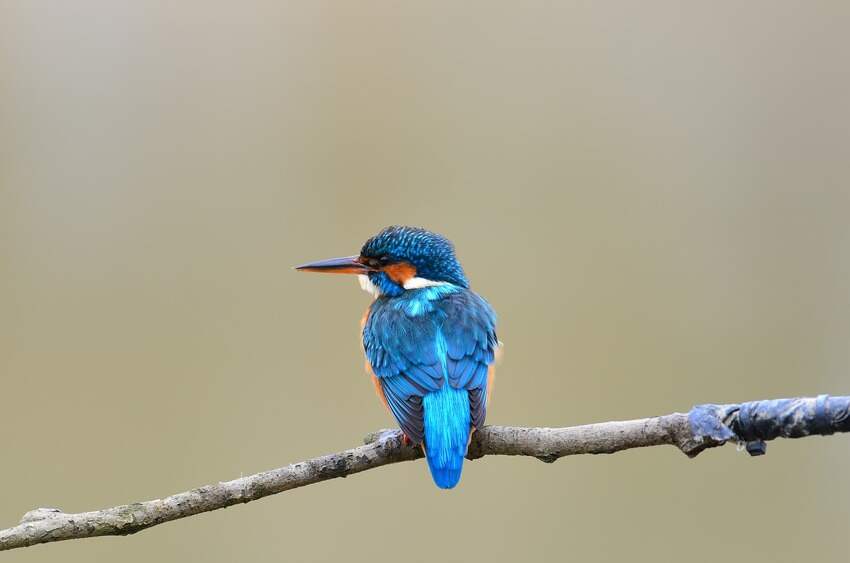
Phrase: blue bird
(429, 340)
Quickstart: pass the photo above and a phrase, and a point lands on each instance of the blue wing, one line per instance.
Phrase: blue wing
(414, 347)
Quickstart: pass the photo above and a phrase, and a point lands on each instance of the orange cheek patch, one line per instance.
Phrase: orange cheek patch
(400, 272)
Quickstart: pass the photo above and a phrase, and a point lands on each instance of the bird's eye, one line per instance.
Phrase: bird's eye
(375, 262)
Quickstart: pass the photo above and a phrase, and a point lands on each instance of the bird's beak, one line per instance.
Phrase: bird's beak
(347, 265)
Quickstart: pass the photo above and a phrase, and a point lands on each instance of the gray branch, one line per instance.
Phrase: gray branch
(705, 426)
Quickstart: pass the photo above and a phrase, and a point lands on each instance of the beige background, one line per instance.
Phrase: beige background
(654, 196)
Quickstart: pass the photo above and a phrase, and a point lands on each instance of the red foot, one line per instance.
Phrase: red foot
(405, 441)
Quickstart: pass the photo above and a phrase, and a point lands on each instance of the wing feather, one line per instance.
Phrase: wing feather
(414, 354)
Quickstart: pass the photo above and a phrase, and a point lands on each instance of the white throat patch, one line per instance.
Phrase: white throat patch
(367, 286)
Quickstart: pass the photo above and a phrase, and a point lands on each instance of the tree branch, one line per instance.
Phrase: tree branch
(705, 426)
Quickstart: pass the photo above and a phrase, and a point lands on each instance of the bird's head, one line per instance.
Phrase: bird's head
(399, 259)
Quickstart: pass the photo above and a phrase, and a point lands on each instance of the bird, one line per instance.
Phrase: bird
(429, 340)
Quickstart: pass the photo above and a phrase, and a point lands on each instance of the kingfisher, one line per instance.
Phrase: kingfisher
(430, 341)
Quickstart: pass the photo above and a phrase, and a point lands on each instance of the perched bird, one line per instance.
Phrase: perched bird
(430, 341)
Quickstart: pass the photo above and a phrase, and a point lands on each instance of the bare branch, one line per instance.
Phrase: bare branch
(705, 426)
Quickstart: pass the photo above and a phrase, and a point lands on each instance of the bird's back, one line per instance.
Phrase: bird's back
(430, 350)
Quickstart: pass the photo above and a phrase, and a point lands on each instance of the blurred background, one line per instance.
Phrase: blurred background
(654, 196)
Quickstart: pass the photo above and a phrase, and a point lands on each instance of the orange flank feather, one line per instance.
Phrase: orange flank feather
(400, 272)
(491, 371)
(491, 379)
(375, 381)
(378, 389)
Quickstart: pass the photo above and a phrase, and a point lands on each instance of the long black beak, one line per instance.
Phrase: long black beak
(346, 265)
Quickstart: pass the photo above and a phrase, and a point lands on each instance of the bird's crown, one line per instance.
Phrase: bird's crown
(432, 255)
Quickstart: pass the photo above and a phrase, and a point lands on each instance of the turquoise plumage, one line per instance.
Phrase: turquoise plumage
(430, 349)
(447, 425)
(429, 341)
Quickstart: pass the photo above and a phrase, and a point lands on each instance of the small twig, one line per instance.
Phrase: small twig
(704, 427)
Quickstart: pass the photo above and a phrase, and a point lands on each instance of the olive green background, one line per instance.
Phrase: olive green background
(653, 195)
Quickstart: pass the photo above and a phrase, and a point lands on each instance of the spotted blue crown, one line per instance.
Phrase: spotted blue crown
(431, 254)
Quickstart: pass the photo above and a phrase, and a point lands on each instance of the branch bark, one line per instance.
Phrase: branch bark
(705, 426)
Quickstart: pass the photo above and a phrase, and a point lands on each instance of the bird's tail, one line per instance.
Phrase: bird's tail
(447, 427)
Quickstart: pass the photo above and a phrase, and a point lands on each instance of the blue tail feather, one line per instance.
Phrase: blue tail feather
(447, 425)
